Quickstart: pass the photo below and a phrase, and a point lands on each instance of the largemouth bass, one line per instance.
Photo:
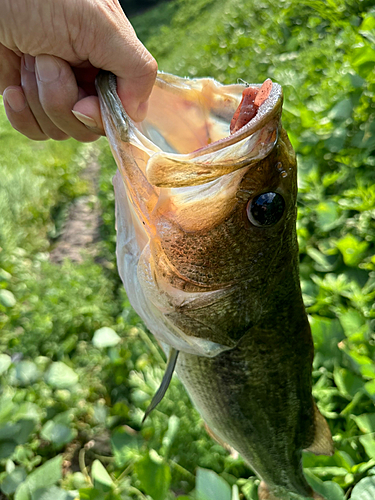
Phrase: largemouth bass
(207, 250)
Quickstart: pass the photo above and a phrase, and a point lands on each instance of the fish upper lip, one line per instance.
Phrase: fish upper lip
(269, 109)
(248, 145)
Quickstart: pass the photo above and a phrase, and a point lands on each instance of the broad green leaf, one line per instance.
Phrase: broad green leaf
(18, 432)
(5, 362)
(328, 489)
(250, 489)
(368, 371)
(321, 262)
(336, 140)
(7, 407)
(352, 322)
(364, 467)
(327, 215)
(52, 493)
(7, 299)
(61, 376)
(347, 382)
(210, 485)
(27, 411)
(327, 333)
(4, 275)
(342, 110)
(7, 448)
(370, 388)
(13, 480)
(154, 477)
(102, 480)
(340, 459)
(328, 471)
(362, 59)
(368, 23)
(364, 490)
(24, 373)
(44, 476)
(9, 431)
(105, 337)
(91, 494)
(366, 422)
(368, 442)
(58, 434)
(352, 249)
(124, 446)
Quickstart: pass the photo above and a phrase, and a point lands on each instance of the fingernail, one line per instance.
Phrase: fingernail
(29, 62)
(86, 120)
(15, 99)
(47, 68)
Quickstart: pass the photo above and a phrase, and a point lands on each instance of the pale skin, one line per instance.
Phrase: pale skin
(50, 54)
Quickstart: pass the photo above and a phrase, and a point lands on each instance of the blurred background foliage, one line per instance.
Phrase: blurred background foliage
(78, 369)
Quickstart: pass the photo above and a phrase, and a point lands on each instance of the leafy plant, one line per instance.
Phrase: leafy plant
(77, 368)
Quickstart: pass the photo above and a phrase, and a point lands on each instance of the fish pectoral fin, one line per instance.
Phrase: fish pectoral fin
(171, 363)
(323, 443)
(226, 446)
(264, 493)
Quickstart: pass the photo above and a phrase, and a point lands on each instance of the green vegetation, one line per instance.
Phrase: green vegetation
(77, 369)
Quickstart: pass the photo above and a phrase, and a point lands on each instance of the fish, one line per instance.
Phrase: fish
(207, 250)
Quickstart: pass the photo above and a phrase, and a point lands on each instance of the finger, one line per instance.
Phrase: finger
(19, 114)
(120, 51)
(58, 93)
(134, 87)
(87, 111)
(30, 89)
(9, 68)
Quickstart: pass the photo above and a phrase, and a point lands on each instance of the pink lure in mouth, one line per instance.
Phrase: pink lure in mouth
(252, 99)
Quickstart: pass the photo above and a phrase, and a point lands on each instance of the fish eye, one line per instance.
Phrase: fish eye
(265, 209)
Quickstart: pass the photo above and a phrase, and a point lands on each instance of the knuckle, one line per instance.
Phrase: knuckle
(149, 66)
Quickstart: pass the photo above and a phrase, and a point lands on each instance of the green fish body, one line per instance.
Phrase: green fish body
(207, 250)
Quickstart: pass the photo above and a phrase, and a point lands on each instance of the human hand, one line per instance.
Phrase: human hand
(50, 54)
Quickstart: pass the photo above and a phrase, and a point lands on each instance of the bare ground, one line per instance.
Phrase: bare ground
(80, 235)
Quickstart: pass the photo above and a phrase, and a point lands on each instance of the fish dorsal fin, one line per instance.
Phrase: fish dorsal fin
(171, 363)
(322, 444)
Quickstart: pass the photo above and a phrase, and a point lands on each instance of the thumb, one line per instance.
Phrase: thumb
(121, 52)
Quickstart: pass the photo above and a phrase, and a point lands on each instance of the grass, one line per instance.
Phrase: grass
(72, 394)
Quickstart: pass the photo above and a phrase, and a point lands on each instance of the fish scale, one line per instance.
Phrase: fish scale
(218, 402)
(207, 250)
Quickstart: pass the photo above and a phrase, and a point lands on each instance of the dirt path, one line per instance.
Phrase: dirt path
(81, 231)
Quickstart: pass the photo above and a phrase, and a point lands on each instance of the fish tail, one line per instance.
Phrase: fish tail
(264, 493)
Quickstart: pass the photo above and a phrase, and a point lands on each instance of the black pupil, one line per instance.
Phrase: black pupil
(267, 209)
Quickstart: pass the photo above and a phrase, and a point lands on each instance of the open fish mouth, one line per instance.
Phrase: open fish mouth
(181, 171)
(186, 138)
